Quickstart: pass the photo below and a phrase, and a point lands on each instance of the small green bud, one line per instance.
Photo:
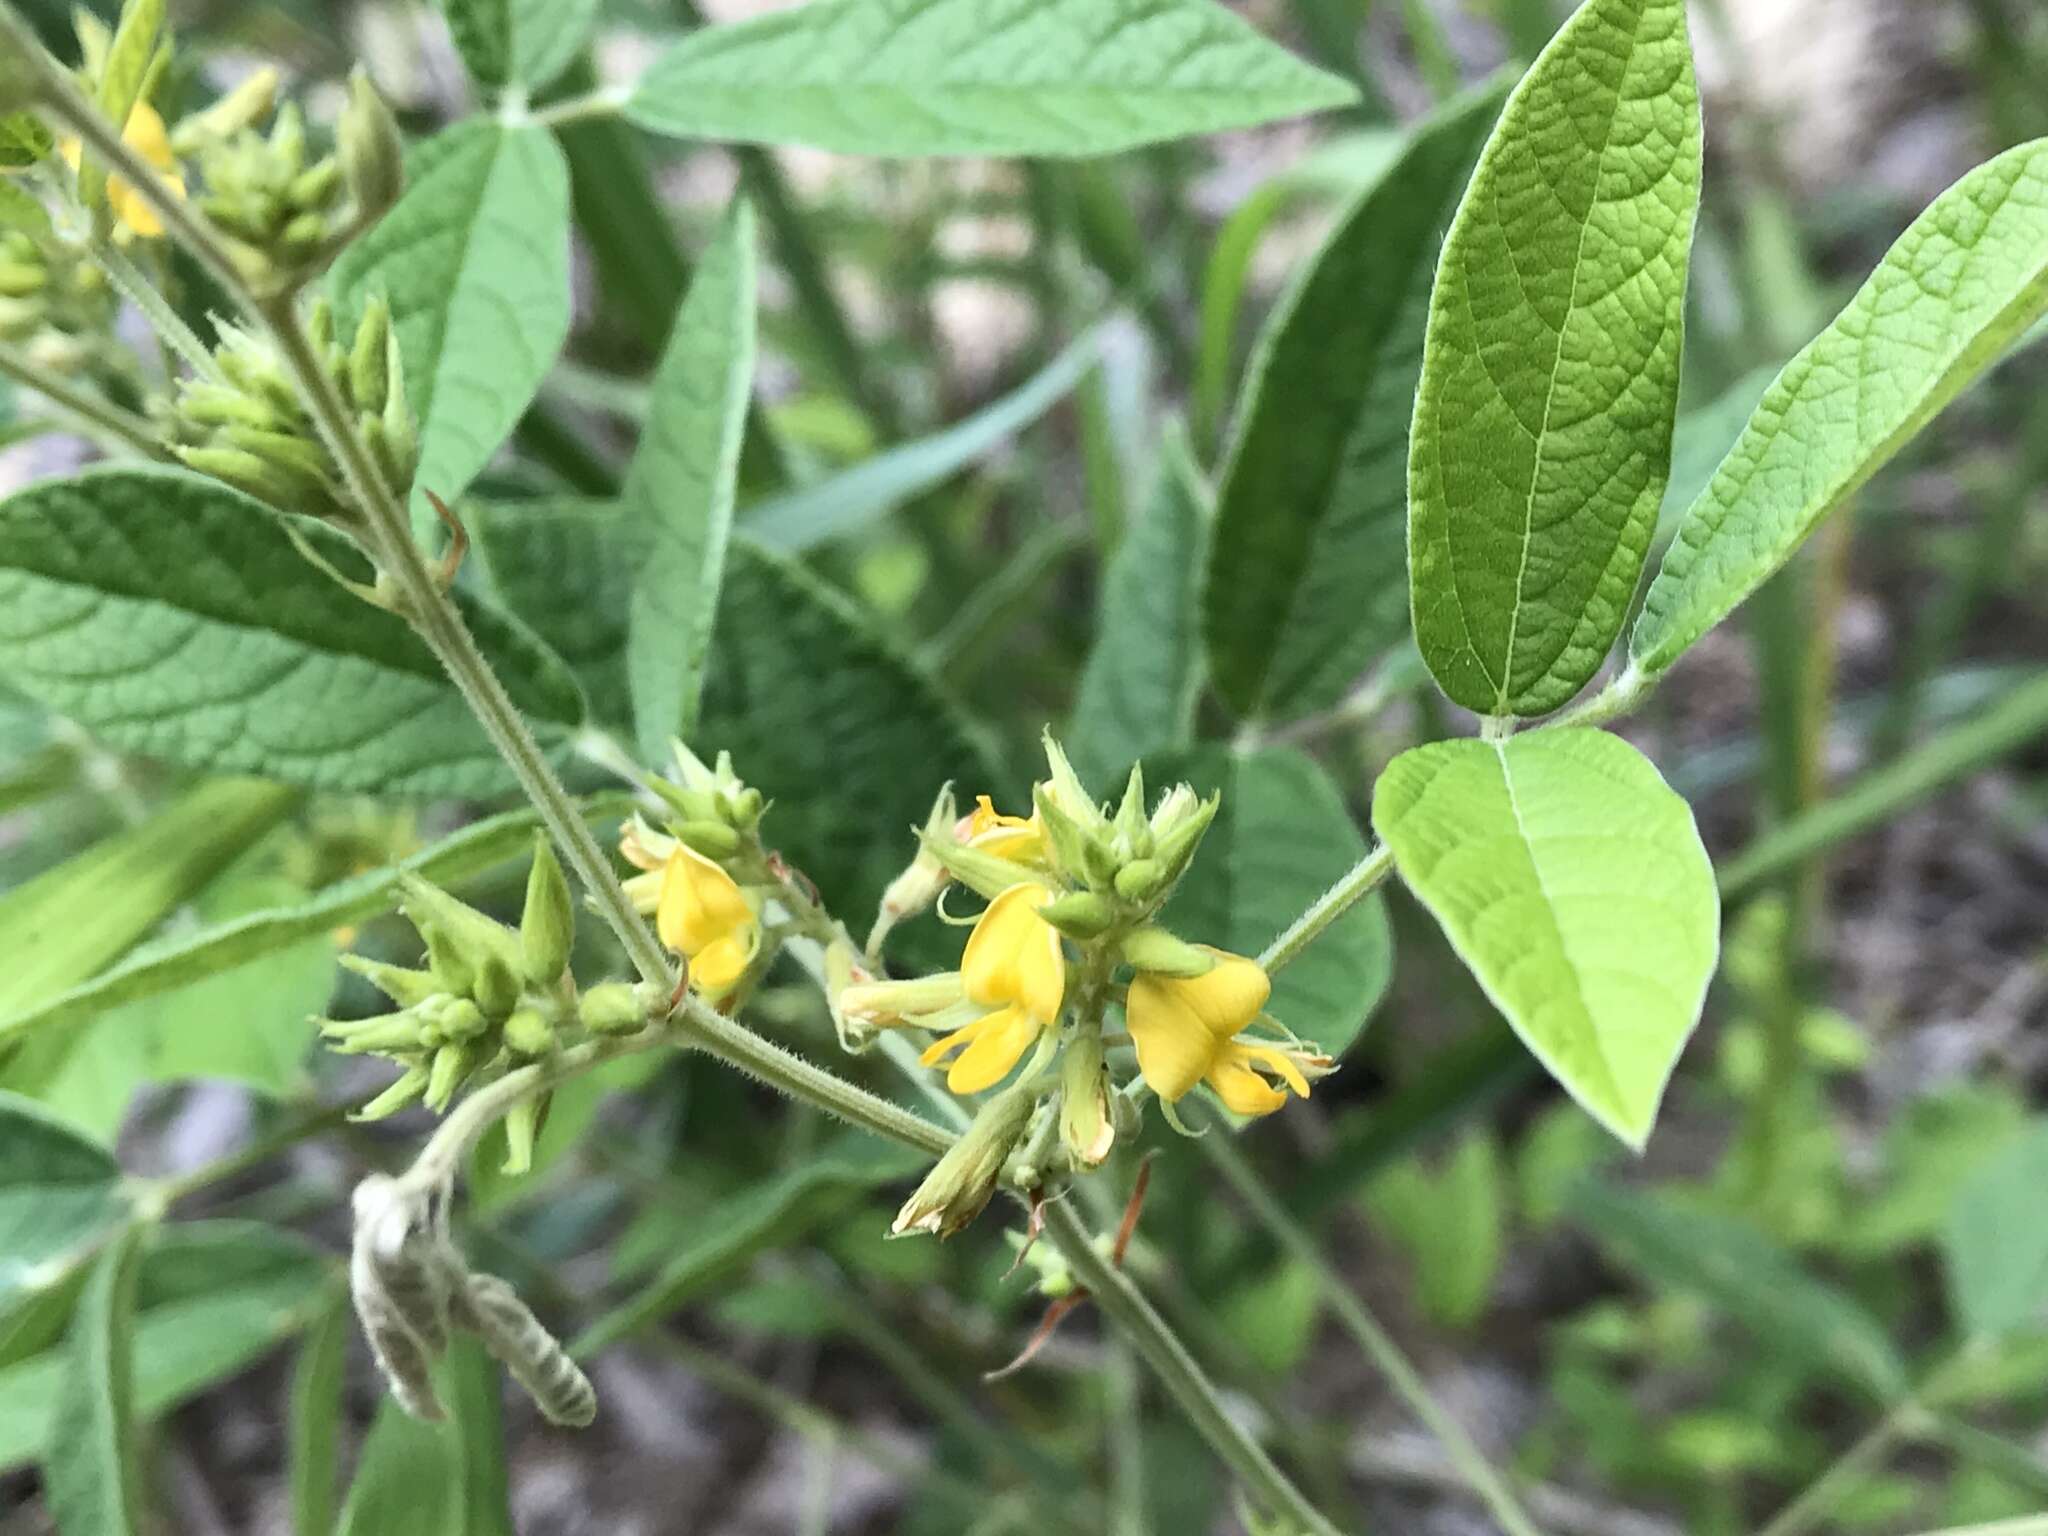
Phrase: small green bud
(962, 1182)
(1082, 915)
(1157, 951)
(528, 1033)
(547, 926)
(497, 987)
(243, 107)
(613, 1008)
(714, 839)
(21, 318)
(455, 1018)
(459, 938)
(688, 803)
(291, 454)
(405, 1091)
(451, 1066)
(1133, 830)
(19, 280)
(1087, 1122)
(303, 235)
(371, 152)
(381, 1036)
(747, 804)
(406, 988)
(258, 477)
(522, 1129)
(1065, 790)
(983, 873)
(288, 142)
(1175, 846)
(1140, 880)
(369, 381)
(314, 187)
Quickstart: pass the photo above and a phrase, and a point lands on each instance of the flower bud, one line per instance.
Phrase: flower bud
(1159, 952)
(371, 150)
(963, 1181)
(613, 1008)
(522, 1129)
(1174, 845)
(384, 1035)
(243, 107)
(497, 987)
(1140, 880)
(1133, 830)
(459, 938)
(547, 926)
(406, 988)
(528, 1033)
(455, 1018)
(1066, 792)
(368, 378)
(1081, 915)
(986, 874)
(405, 1091)
(451, 1067)
(714, 839)
(1087, 1124)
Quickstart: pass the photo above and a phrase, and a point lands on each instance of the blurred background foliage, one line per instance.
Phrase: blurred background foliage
(992, 401)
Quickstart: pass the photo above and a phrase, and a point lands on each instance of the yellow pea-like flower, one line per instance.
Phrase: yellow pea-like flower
(1020, 839)
(705, 917)
(146, 134)
(1013, 966)
(1186, 1029)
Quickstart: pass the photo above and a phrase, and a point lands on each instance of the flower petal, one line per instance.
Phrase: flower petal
(1229, 997)
(700, 903)
(1013, 955)
(1175, 1048)
(999, 1042)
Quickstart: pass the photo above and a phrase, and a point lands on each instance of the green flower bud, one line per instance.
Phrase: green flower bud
(406, 988)
(1133, 830)
(714, 839)
(690, 804)
(451, 1067)
(246, 472)
(528, 1033)
(613, 1008)
(314, 188)
(1140, 880)
(382, 1036)
(522, 1129)
(1157, 951)
(369, 378)
(302, 236)
(746, 808)
(1087, 1123)
(1065, 790)
(983, 873)
(405, 1091)
(243, 107)
(1175, 846)
(962, 1182)
(459, 938)
(547, 926)
(371, 151)
(455, 1018)
(1082, 915)
(18, 280)
(497, 987)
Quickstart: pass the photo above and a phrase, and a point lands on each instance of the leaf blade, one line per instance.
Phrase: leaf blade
(89, 1464)
(1542, 435)
(1519, 849)
(1308, 575)
(1979, 244)
(679, 490)
(971, 77)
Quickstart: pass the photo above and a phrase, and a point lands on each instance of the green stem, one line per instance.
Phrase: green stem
(1479, 1474)
(156, 309)
(97, 418)
(1367, 873)
(1125, 1305)
(606, 102)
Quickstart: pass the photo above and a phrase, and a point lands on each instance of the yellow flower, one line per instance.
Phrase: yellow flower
(147, 136)
(1013, 966)
(704, 916)
(1020, 839)
(1185, 1029)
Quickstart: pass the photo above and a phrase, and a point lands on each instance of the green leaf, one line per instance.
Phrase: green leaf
(213, 1296)
(1542, 436)
(68, 922)
(313, 1424)
(845, 734)
(1452, 1222)
(23, 140)
(90, 1474)
(1738, 1269)
(857, 498)
(1307, 577)
(1572, 882)
(445, 1479)
(978, 77)
(1280, 840)
(678, 495)
(59, 1195)
(562, 566)
(519, 42)
(1959, 287)
(1995, 1247)
(1143, 674)
(184, 959)
(172, 616)
(475, 261)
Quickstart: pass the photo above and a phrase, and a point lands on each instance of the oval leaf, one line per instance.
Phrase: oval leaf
(1542, 435)
(475, 261)
(172, 616)
(1308, 578)
(1960, 286)
(679, 489)
(1996, 1245)
(1572, 882)
(518, 42)
(1281, 838)
(89, 1465)
(59, 1194)
(968, 77)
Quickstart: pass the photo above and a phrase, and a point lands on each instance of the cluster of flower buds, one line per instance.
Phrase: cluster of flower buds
(489, 999)
(289, 213)
(1071, 929)
(250, 428)
(55, 304)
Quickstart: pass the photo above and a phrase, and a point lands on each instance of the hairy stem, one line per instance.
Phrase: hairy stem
(156, 309)
(1340, 898)
(97, 418)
